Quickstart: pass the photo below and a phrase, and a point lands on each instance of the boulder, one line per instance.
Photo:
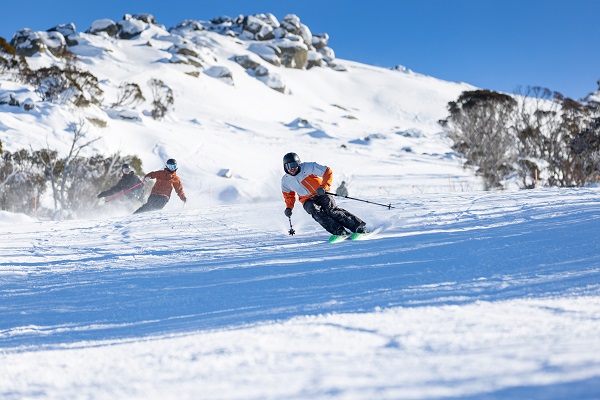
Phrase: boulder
(222, 20)
(28, 105)
(254, 25)
(268, 52)
(270, 19)
(187, 60)
(64, 29)
(147, 18)
(299, 123)
(129, 115)
(272, 80)
(69, 32)
(27, 43)
(279, 33)
(260, 26)
(246, 62)
(266, 33)
(107, 26)
(291, 23)
(403, 69)
(328, 54)
(55, 42)
(337, 67)
(294, 53)
(187, 26)
(315, 59)
(130, 28)
(320, 40)
(222, 73)
(225, 173)
(261, 71)
(305, 34)
(184, 49)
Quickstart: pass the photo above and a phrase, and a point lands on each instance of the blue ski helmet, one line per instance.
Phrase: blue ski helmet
(171, 164)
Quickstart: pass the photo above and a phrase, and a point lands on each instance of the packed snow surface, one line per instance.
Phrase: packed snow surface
(466, 294)
(459, 294)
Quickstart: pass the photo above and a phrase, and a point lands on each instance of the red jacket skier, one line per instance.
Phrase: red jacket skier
(166, 181)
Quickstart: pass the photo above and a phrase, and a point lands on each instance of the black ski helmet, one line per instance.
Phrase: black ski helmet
(288, 158)
(171, 164)
(126, 167)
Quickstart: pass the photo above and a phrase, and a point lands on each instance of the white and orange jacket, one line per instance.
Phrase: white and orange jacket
(305, 184)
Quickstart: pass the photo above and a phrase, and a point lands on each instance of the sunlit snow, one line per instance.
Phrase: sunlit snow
(460, 294)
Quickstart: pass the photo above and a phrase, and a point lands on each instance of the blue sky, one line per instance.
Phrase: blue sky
(496, 45)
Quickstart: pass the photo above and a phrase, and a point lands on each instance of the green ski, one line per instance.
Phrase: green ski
(337, 238)
(359, 236)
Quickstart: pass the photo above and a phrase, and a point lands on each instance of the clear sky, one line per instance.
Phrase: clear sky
(492, 44)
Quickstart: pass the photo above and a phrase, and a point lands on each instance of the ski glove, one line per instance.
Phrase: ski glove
(184, 200)
(288, 212)
(146, 179)
(320, 191)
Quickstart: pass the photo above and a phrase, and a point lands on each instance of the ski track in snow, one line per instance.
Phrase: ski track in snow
(469, 295)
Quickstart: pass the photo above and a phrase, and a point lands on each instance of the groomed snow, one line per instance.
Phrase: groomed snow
(460, 294)
(469, 295)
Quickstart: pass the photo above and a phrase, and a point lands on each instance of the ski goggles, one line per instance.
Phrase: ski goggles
(172, 167)
(291, 165)
(126, 170)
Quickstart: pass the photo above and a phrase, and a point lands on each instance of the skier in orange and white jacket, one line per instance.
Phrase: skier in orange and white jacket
(166, 181)
(310, 182)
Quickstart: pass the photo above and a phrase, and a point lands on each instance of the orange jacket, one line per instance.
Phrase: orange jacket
(305, 184)
(166, 181)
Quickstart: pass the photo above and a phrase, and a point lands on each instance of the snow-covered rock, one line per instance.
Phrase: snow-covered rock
(107, 26)
(27, 42)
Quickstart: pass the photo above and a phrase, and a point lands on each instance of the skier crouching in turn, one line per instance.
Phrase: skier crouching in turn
(166, 181)
(129, 183)
(310, 181)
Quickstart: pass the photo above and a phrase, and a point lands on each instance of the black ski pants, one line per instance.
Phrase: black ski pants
(331, 217)
(155, 202)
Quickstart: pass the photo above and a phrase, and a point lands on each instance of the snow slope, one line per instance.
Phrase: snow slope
(460, 295)
(366, 122)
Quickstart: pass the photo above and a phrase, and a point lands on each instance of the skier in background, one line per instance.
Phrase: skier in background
(342, 190)
(128, 180)
(166, 181)
(310, 181)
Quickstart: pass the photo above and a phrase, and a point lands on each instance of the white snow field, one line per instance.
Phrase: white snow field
(462, 295)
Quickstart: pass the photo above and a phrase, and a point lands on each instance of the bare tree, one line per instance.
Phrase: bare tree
(11, 63)
(481, 124)
(21, 180)
(162, 98)
(59, 171)
(70, 84)
(128, 95)
(7, 172)
(550, 129)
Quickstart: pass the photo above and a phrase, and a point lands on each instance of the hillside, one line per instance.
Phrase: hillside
(365, 122)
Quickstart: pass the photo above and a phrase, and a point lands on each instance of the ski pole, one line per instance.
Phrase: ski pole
(389, 206)
(123, 192)
(291, 231)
